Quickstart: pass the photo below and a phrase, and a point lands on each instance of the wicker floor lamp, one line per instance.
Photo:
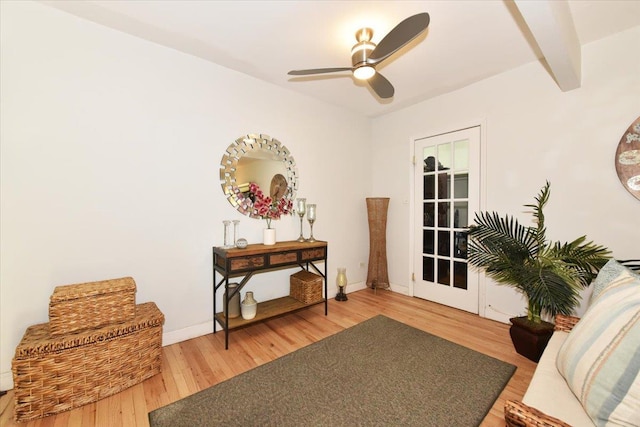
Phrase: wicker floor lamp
(377, 274)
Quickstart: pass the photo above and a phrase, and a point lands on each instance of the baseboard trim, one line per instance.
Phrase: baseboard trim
(194, 331)
(188, 333)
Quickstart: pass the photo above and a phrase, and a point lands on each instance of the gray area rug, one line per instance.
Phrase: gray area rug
(378, 373)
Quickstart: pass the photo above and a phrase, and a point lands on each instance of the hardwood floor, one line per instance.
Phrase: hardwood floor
(193, 365)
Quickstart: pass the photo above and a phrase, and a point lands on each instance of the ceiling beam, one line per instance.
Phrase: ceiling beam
(551, 24)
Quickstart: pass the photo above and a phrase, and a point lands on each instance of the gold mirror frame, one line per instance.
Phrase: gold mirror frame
(254, 144)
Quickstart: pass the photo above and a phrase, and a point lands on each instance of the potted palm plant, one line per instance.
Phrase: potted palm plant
(549, 274)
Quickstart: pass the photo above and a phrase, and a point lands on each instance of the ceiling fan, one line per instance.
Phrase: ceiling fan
(365, 55)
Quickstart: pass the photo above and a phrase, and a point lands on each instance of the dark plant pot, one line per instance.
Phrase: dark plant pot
(530, 339)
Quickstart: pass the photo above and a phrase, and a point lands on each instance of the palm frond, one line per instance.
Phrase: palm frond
(541, 200)
(549, 291)
(586, 258)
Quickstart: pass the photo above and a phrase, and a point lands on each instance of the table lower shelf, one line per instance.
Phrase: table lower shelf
(266, 310)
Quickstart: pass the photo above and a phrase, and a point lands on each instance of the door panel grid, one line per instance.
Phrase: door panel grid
(445, 213)
(445, 194)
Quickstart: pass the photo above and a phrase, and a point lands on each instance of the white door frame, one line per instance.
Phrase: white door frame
(482, 283)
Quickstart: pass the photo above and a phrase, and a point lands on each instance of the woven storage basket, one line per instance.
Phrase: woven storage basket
(91, 305)
(306, 287)
(52, 374)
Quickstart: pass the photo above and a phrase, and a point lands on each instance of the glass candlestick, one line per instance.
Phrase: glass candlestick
(311, 217)
(301, 209)
(236, 227)
(227, 234)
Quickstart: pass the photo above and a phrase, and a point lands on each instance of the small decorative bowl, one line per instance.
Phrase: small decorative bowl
(241, 243)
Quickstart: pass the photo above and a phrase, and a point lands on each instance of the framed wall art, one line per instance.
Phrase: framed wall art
(628, 159)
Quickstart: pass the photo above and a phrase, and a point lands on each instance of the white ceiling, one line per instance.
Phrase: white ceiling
(466, 41)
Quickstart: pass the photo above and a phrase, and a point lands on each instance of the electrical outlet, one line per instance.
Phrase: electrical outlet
(362, 265)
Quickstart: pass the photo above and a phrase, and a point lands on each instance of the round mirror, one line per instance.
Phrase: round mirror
(262, 160)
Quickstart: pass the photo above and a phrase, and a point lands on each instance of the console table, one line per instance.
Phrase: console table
(258, 258)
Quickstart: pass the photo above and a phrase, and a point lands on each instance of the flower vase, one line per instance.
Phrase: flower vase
(269, 236)
(249, 306)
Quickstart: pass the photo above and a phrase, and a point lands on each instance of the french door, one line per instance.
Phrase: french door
(447, 193)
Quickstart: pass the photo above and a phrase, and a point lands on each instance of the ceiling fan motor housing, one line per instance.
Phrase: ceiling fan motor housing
(361, 50)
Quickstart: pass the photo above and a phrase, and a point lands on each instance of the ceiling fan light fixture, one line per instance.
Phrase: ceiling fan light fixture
(366, 55)
(359, 54)
(364, 72)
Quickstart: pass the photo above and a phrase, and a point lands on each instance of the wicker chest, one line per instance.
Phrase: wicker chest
(306, 287)
(91, 305)
(55, 372)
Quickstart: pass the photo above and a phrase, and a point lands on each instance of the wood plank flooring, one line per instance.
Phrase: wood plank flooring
(193, 365)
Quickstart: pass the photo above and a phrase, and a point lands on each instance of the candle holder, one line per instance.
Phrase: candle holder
(236, 227)
(311, 217)
(301, 210)
(227, 234)
(341, 282)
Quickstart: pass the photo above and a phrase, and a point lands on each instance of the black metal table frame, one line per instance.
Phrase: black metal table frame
(247, 275)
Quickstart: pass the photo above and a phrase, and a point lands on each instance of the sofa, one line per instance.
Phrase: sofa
(589, 373)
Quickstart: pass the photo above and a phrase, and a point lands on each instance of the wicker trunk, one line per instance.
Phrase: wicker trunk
(55, 373)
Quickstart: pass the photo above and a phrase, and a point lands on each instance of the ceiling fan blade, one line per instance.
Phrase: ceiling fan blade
(317, 71)
(381, 86)
(402, 34)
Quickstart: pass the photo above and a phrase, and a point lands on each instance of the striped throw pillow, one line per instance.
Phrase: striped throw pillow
(600, 360)
(607, 273)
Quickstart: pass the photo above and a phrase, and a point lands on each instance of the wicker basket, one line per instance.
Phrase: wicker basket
(91, 305)
(306, 287)
(565, 323)
(52, 374)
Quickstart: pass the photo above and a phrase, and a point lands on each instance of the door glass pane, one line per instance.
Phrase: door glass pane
(461, 154)
(444, 156)
(428, 272)
(460, 275)
(460, 214)
(444, 185)
(443, 214)
(443, 272)
(461, 186)
(429, 214)
(429, 159)
(460, 244)
(429, 187)
(428, 242)
(443, 243)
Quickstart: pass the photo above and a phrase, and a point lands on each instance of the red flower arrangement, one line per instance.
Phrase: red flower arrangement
(267, 208)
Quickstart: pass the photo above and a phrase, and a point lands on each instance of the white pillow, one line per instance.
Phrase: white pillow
(600, 360)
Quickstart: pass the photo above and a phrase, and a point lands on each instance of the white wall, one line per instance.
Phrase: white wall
(533, 132)
(110, 152)
(110, 146)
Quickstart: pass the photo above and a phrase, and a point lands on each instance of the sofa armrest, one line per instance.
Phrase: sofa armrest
(565, 323)
(517, 414)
